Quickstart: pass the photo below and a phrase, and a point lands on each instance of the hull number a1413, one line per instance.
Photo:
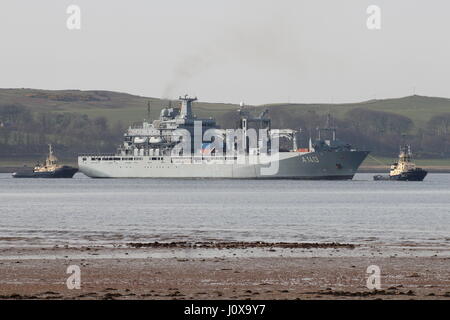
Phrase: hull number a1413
(310, 159)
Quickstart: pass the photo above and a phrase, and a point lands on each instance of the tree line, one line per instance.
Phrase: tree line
(26, 134)
(380, 132)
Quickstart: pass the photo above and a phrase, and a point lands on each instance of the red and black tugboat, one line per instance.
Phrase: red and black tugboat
(405, 169)
(51, 169)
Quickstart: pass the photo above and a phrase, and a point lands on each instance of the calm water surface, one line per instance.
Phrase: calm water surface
(101, 211)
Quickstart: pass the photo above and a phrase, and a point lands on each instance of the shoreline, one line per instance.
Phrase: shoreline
(362, 169)
(242, 272)
(385, 169)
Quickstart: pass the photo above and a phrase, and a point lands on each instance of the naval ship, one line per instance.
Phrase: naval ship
(180, 145)
(405, 169)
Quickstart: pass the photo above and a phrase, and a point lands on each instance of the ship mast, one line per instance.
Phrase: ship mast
(328, 128)
(51, 159)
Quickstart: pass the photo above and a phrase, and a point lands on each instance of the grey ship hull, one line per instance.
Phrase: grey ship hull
(327, 165)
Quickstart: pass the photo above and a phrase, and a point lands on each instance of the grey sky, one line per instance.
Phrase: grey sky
(260, 51)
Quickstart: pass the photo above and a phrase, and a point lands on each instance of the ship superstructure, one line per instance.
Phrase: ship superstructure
(180, 145)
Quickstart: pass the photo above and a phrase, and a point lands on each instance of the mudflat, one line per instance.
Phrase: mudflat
(242, 272)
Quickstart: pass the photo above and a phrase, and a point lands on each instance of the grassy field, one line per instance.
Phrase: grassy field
(114, 106)
(128, 108)
(419, 109)
(372, 161)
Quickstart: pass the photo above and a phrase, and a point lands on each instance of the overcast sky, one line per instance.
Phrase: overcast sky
(260, 51)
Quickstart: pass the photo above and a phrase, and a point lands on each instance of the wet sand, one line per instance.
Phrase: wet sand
(245, 271)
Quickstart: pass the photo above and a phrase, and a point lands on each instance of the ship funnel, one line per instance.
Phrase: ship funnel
(186, 106)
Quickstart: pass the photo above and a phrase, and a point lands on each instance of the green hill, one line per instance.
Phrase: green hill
(94, 120)
(129, 108)
(114, 106)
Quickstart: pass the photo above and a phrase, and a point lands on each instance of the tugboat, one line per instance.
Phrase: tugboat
(50, 169)
(404, 169)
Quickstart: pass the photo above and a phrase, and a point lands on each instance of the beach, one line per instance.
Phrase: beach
(251, 272)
